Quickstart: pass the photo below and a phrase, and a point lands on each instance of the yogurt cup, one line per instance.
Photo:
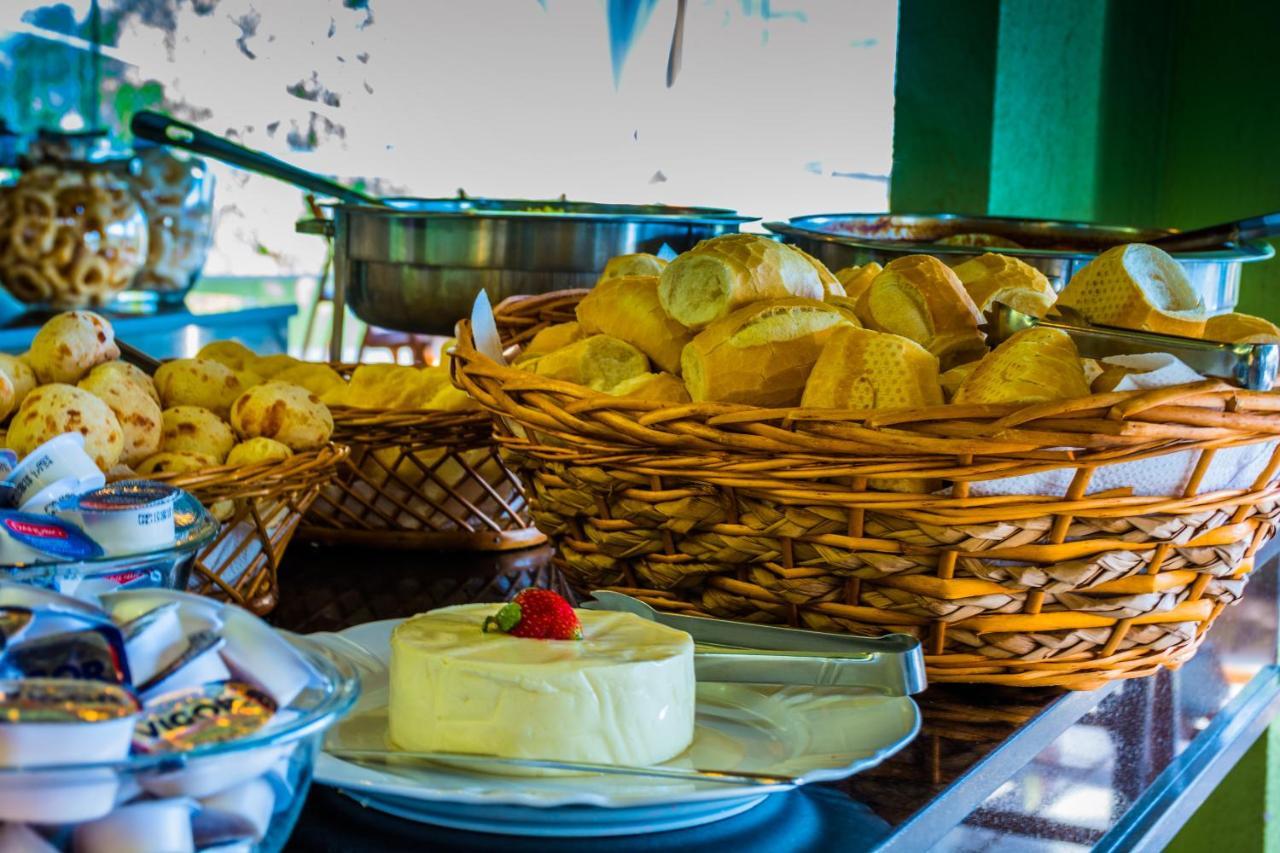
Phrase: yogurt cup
(197, 663)
(129, 517)
(255, 801)
(43, 500)
(27, 538)
(149, 826)
(58, 458)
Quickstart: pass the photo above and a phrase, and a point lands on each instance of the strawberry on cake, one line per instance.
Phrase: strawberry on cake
(537, 679)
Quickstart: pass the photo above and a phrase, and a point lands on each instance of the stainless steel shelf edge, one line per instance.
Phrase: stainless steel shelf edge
(1153, 820)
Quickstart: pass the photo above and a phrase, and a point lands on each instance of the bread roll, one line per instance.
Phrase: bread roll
(21, 376)
(550, 339)
(862, 369)
(178, 462)
(69, 345)
(316, 378)
(126, 372)
(920, 297)
(1136, 286)
(191, 429)
(628, 309)
(290, 414)
(652, 386)
(720, 275)
(599, 362)
(232, 354)
(1034, 366)
(761, 354)
(1241, 329)
(831, 285)
(135, 409)
(641, 263)
(1000, 278)
(53, 409)
(856, 280)
(8, 396)
(951, 380)
(267, 366)
(193, 382)
(258, 450)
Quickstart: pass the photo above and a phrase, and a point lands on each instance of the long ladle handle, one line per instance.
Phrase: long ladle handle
(157, 127)
(1213, 236)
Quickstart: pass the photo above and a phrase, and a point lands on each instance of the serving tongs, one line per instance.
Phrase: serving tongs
(742, 652)
(1251, 366)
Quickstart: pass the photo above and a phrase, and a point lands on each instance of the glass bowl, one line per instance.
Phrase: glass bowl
(176, 192)
(269, 774)
(168, 568)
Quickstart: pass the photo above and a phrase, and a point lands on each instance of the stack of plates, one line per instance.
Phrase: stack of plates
(814, 734)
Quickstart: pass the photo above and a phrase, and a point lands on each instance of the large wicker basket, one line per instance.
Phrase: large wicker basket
(260, 507)
(867, 522)
(420, 479)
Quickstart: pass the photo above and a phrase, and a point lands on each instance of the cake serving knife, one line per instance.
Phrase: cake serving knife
(479, 761)
(1252, 366)
(742, 652)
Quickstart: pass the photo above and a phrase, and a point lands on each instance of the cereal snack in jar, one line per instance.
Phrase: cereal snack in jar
(176, 192)
(72, 234)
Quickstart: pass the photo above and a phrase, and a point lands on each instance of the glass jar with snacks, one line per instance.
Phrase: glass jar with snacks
(176, 192)
(72, 233)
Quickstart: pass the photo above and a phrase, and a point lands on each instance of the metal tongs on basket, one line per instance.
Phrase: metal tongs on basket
(742, 652)
(1252, 366)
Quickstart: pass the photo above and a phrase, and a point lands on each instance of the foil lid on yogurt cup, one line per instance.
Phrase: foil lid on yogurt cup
(60, 700)
(29, 538)
(200, 716)
(92, 654)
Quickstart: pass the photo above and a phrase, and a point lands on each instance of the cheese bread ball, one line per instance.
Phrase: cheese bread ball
(69, 345)
(258, 450)
(175, 463)
(232, 354)
(8, 396)
(21, 377)
(288, 413)
(316, 378)
(138, 414)
(192, 382)
(267, 366)
(192, 429)
(128, 372)
(51, 410)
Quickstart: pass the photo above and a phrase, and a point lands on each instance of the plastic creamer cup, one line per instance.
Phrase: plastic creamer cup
(26, 538)
(57, 459)
(129, 517)
(43, 500)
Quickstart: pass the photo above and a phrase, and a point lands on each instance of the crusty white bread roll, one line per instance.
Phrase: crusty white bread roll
(628, 308)
(1136, 286)
(550, 339)
(652, 386)
(950, 380)
(1000, 278)
(641, 263)
(760, 354)
(1035, 365)
(720, 275)
(862, 369)
(857, 279)
(920, 297)
(831, 285)
(599, 362)
(1241, 329)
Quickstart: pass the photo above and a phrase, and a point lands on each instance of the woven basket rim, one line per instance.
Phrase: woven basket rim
(1208, 413)
(298, 471)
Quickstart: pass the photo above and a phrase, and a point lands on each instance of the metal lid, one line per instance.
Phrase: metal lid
(1039, 238)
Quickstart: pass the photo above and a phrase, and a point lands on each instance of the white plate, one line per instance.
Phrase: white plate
(814, 733)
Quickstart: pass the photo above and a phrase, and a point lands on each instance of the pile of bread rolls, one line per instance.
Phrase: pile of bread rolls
(225, 406)
(744, 319)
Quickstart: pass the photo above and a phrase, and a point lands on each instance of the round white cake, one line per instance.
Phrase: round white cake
(623, 694)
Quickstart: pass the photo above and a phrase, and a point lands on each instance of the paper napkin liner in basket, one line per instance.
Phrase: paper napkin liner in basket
(1230, 468)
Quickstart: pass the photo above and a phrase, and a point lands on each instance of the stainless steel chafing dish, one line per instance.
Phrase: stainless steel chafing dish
(1058, 249)
(417, 264)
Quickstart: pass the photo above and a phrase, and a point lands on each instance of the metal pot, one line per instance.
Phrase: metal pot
(1058, 249)
(417, 264)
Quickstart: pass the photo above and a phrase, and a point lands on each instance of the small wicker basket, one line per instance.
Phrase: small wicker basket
(875, 521)
(420, 479)
(260, 507)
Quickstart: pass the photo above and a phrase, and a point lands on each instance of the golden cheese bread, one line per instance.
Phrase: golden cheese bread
(857, 279)
(1136, 286)
(760, 354)
(598, 361)
(862, 369)
(921, 298)
(640, 263)
(994, 278)
(662, 387)
(1241, 329)
(628, 309)
(1035, 365)
(720, 275)
(550, 339)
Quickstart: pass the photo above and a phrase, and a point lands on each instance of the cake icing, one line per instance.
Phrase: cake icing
(623, 694)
